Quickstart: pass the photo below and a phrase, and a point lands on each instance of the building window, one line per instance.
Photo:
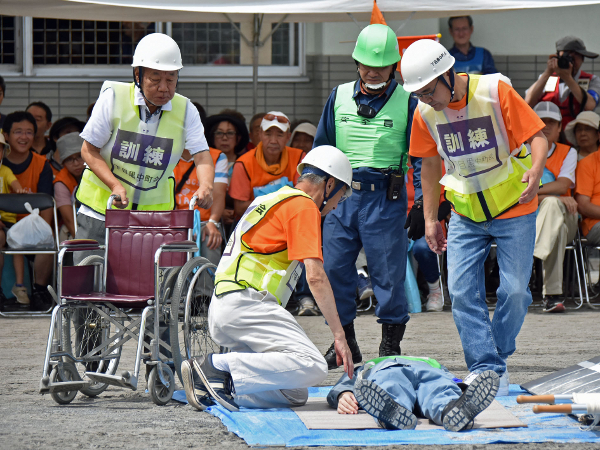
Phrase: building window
(8, 40)
(284, 47)
(207, 43)
(85, 41)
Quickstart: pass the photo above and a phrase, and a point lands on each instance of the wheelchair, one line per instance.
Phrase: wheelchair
(145, 266)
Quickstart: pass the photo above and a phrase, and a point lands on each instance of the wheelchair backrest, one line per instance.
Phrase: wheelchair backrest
(133, 238)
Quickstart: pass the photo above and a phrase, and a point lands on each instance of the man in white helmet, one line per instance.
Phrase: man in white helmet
(135, 138)
(271, 360)
(478, 125)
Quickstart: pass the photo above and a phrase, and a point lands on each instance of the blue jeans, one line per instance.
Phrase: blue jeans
(418, 387)
(487, 344)
(428, 262)
(368, 219)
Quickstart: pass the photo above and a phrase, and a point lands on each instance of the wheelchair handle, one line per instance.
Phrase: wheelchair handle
(193, 202)
(110, 200)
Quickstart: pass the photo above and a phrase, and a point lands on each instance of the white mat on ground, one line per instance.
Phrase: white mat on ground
(318, 415)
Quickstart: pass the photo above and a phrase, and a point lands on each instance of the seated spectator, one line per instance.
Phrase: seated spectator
(35, 175)
(564, 83)
(468, 59)
(186, 185)
(268, 167)
(556, 222)
(254, 129)
(2, 93)
(228, 134)
(303, 136)
(584, 132)
(587, 194)
(43, 117)
(66, 181)
(8, 184)
(60, 128)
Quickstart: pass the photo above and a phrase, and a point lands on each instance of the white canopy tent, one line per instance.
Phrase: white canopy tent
(257, 12)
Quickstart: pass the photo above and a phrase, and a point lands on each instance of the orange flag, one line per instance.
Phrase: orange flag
(376, 16)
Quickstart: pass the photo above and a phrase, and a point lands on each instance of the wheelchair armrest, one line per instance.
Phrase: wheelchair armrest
(179, 246)
(78, 245)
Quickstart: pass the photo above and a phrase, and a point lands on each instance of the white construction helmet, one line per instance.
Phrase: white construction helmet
(330, 161)
(422, 62)
(157, 51)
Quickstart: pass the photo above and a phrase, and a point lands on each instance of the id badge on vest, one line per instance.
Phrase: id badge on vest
(140, 160)
(470, 145)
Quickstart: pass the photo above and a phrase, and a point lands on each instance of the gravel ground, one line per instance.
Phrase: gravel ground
(121, 418)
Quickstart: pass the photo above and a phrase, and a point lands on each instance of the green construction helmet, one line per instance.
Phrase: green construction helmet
(377, 46)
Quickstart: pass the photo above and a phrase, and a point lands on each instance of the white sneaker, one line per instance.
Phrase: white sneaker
(435, 301)
(504, 385)
(20, 293)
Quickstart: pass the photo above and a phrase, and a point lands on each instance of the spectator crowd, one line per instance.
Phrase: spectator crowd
(41, 153)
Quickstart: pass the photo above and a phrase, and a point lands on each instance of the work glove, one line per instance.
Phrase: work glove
(444, 209)
(415, 222)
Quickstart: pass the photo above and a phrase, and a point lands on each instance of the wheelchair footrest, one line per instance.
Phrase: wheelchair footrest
(124, 380)
(63, 386)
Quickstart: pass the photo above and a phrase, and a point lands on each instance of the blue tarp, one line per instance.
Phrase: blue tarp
(282, 427)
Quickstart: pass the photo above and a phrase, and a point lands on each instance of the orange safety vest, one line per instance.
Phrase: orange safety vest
(65, 177)
(187, 191)
(555, 161)
(259, 178)
(30, 178)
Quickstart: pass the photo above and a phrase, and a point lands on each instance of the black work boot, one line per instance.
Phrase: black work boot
(391, 335)
(351, 340)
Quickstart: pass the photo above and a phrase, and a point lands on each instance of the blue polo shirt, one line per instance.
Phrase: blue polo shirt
(326, 128)
(477, 60)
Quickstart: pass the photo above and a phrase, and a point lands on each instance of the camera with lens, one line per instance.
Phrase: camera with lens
(564, 61)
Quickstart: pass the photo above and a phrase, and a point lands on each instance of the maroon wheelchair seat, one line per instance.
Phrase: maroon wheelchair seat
(133, 239)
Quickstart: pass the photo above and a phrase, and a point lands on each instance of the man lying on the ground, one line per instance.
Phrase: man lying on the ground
(394, 389)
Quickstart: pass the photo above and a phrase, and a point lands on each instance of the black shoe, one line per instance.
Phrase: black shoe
(41, 300)
(391, 335)
(552, 303)
(330, 355)
(196, 393)
(218, 383)
(378, 403)
(458, 415)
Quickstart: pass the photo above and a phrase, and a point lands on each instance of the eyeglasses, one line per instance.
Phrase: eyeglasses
(28, 133)
(279, 119)
(428, 95)
(73, 159)
(229, 134)
(347, 193)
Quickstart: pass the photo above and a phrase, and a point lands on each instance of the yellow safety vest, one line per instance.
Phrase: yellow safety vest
(142, 163)
(483, 174)
(241, 267)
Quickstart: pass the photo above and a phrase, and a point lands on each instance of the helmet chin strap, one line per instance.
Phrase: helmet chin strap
(139, 84)
(322, 173)
(451, 85)
(380, 87)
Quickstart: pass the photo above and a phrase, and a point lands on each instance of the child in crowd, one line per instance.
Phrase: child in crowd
(8, 183)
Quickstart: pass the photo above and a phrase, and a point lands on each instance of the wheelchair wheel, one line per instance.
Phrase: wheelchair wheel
(62, 373)
(190, 301)
(161, 394)
(82, 331)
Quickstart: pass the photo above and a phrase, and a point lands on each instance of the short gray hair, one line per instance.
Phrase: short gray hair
(313, 178)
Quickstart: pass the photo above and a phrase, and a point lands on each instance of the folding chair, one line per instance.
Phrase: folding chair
(15, 203)
(583, 246)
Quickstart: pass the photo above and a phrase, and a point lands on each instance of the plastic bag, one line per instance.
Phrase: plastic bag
(31, 231)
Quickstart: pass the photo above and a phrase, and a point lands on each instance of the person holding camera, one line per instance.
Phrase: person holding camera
(369, 119)
(564, 83)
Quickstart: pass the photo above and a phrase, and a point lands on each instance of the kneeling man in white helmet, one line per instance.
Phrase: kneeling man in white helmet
(272, 361)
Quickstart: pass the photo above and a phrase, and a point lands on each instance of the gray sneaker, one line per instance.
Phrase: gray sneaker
(196, 393)
(378, 403)
(20, 293)
(308, 307)
(218, 383)
(458, 415)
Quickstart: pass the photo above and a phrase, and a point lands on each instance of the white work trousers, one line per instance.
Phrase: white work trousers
(272, 361)
(555, 228)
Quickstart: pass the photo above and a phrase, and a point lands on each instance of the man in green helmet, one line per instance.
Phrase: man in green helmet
(370, 121)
